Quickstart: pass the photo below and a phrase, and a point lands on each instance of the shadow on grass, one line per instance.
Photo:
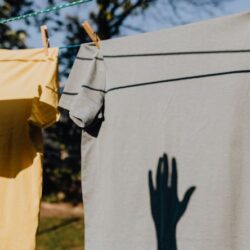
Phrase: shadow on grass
(67, 222)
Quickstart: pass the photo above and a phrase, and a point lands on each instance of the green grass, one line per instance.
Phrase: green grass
(60, 234)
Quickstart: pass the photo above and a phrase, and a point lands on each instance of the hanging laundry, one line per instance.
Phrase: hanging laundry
(166, 138)
(28, 102)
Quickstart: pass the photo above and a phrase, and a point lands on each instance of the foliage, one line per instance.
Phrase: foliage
(12, 38)
(62, 161)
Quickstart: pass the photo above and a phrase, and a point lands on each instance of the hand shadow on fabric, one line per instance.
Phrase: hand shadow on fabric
(166, 208)
(19, 141)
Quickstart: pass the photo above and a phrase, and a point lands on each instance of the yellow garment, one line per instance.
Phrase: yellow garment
(28, 102)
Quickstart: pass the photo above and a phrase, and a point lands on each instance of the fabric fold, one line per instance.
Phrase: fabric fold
(86, 84)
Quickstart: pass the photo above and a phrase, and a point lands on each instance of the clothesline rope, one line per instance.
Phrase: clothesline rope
(70, 46)
(45, 11)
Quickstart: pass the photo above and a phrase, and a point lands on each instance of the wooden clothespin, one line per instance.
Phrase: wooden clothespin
(93, 36)
(45, 38)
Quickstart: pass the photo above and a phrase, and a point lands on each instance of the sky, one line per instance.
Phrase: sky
(153, 19)
(238, 5)
(150, 21)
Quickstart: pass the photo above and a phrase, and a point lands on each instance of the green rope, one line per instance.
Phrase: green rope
(70, 46)
(45, 11)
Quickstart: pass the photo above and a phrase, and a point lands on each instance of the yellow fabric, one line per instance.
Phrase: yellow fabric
(28, 102)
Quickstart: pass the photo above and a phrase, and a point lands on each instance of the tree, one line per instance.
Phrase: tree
(10, 38)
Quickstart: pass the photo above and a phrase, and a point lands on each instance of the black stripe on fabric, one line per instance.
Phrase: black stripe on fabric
(166, 54)
(180, 79)
(88, 59)
(164, 81)
(69, 93)
(94, 89)
(87, 87)
(178, 53)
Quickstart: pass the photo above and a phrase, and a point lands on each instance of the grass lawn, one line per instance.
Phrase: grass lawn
(60, 234)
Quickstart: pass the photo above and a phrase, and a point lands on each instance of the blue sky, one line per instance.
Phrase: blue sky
(238, 5)
(195, 15)
(151, 21)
